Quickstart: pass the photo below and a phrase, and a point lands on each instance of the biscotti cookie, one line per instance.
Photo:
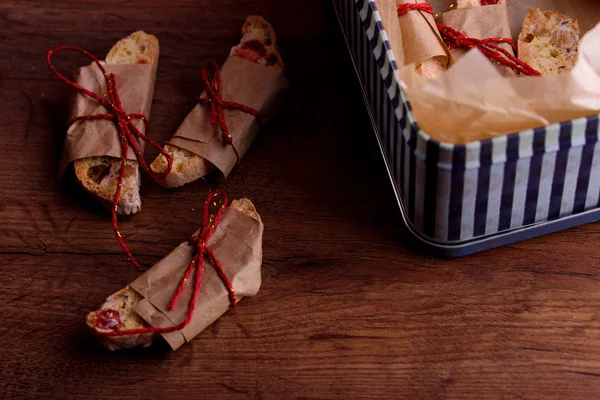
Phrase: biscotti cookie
(258, 44)
(549, 41)
(118, 311)
(99, 175)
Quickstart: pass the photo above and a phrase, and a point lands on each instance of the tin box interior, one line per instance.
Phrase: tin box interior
(460, 199)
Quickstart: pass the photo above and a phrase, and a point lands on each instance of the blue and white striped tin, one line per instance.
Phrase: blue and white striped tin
(461, 199)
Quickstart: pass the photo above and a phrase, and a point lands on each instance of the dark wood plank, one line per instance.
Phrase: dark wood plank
(351, 306)
(189, 32)
(322, 327)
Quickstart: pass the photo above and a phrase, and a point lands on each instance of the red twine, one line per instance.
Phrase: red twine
(125, 127)
(489, 47)
(217, 104)
(200, 249)
(404, 8)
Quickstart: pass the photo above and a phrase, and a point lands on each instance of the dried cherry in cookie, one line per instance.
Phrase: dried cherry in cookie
(252, 50)
(255, 46)
(108, 319)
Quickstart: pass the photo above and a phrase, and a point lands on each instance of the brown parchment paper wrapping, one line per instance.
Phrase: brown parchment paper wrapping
(473, 101)
(237, 244)
(421, 40)
(392, 27)
(246, 83)
(135, 84)
(481, 22)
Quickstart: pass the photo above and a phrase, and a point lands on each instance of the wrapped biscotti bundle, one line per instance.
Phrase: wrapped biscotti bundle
(480, 21)
(422, 44)
(243, 95)
(191, 287)
(93, 143)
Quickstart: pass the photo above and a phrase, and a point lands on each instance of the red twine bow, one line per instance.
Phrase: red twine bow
(404, 8)
(489, 47)
(126, 129)
(200, 249)
(217, 104)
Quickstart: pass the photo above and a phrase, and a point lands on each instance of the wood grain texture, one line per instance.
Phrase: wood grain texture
(351, 306)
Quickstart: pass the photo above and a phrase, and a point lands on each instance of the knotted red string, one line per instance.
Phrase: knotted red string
(126, 129)
(404, 8)
(217, 104)
(489, 47)
(200, 249)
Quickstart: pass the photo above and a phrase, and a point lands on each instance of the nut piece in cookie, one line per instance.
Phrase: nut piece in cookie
(138, 48)
(549, 41)
(245, 206)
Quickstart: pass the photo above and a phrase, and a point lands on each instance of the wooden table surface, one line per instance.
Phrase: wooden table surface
(350, 307)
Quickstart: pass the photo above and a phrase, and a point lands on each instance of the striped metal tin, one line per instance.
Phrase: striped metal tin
(460, 199)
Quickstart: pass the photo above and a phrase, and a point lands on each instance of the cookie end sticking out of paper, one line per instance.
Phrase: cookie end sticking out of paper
(259, 43)
(138, 48)
(549, 41)
(99, 176)
(118, 312)
(187, 166)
